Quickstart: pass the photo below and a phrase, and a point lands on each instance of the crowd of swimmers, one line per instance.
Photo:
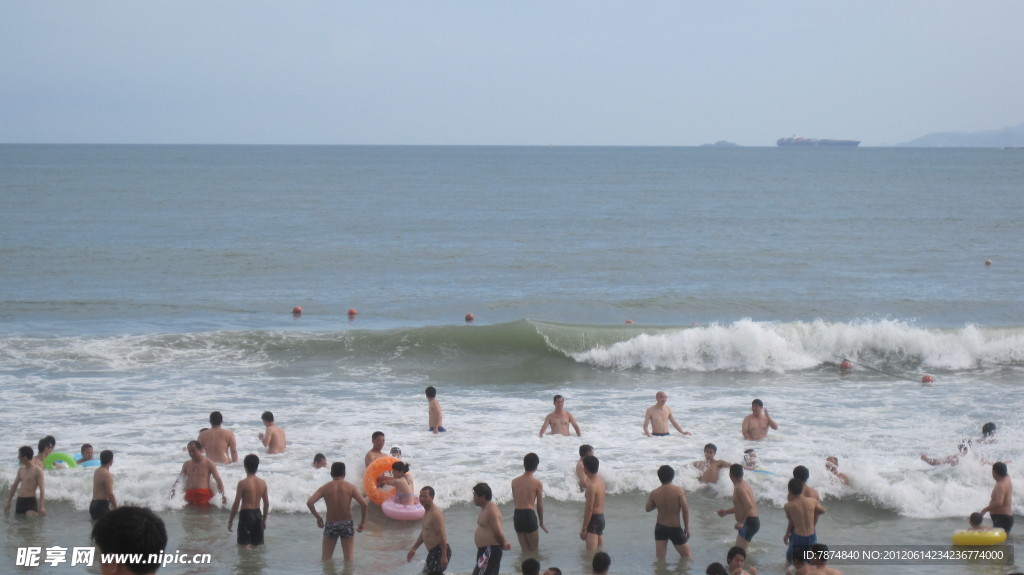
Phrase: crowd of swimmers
(251, 504)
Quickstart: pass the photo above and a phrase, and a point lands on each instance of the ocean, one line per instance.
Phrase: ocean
(145, 286)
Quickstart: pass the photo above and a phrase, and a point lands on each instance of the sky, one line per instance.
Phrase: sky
(554, 72)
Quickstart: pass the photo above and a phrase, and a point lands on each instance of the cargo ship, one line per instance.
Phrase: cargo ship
(812, 142)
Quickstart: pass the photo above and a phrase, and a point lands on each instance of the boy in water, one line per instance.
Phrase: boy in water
(103, 499)
(249, 493)
(433, 411)
(28, 479)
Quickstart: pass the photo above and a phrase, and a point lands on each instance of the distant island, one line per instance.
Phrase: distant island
(1012, 137)
(720, 144)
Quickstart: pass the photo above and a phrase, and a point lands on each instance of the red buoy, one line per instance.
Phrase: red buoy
(469, 318)
(296, 310)
(988, 262)
(846, 365)
(352, 311)
(927, 379)
(629, 321)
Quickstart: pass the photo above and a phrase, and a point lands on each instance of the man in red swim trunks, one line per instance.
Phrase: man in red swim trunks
(197, 472)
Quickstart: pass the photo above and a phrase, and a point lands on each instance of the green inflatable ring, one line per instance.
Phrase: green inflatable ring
(51, 458)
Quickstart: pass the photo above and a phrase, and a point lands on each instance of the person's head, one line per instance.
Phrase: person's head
(586, 449)
(251, 463)
(591, 464)
(378, 440)
(559, 401)
(399, 468)
(319, 460)
(660, 398)
(756, 406)
(601, 563)
(796, 487)
(802, 473)
(431, 392)
(267, 417)
(427, 497)
(964, 446)
(716, 569)
(999, 469)
(46, 444)
(552, 571)
(750, 458)
(396, 452)
(86, 451)
(801, 553)
(988, 430)
(481, 493)
(128, 532)
(25, 453)
(338, 469)
(666, 474)
(710, 450)
(531, 567)
(975, 520)
(736, 557)
(832, 463)
(819, 551)
(736, 472)
(530, 463)
(106, 457)
(216, 418)
(195, 449)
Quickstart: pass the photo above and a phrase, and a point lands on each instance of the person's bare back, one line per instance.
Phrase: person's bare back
(219, 444)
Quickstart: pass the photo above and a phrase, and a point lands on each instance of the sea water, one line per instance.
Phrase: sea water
(145, 286)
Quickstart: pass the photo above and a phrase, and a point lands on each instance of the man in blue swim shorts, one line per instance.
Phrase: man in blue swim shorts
(803, 514)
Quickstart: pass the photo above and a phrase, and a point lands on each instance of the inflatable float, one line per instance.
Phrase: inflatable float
(53, 458)
(983, 537)
(395, 510)
(377, 468)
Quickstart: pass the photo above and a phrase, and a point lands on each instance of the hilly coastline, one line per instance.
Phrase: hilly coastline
(1010, 137)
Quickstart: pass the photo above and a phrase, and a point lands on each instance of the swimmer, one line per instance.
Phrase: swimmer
(658, 416)
(736, 559)
(45, 446)
(434, 422)
(248, 494)
(489, 537)
(402, 482)
(103, 499)
(559, 420)
(744, 506)
(988, 433)
(952, 460)
(581, 473)
(601, 563)
(319, 461)
(593, 507)
(710, 467)
(975, 520)
(1000, 505)
(27, 480)
(375, 452)
(432, 535)
(86, 453)
(670, 501)
(338, 495)
(832, 465)
(528, 496)
(755, 425)
(802, 513)
(750, 460)
(197, 472)
(273, 439)
(219, 443)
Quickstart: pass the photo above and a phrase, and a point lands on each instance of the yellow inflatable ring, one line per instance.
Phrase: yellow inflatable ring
(54, 457)
(377, 468)
(986, 537)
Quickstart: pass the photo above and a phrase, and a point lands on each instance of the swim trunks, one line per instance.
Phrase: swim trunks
(797, 541)
(596, 525)
(343, 529)
(750, 528)
(1004, 521)
(674, 534)
(250, 527)
(524, 520)
(98, 508)
(25, 504)
(198, 497)
(440, 429)
(660, 434)
(434, 560)
(488, 560)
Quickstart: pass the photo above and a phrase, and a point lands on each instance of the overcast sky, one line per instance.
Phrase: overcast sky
(559, 72)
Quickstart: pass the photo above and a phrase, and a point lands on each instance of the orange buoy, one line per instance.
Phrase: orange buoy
(927, 379)
(352, 311)
(629, 321)
(469, 318)
(378, 467)
(296, 310)
(846, 365)
(988, 262)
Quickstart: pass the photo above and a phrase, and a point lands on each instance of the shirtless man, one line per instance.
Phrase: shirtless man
(593, 507)
(248, 494)
(432, 536)
(832, 465)
(273, 439)
(803, 474)
(999, 505)
(197, 472)
(375, 452)
(218, 442)
(103, 499)
(670, 501)
(963, 450)
(802, 513)
(434, 422)
(581, 473)
(755, 425)
(559, 420)
(744, 506)
(489, 538)
(659, 416)
(45, 446)
(338, 495)
(27, 480)
(86, 453)
(528, 495)
(988, 433)
(710, 467)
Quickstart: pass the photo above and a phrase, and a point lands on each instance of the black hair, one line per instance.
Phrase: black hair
(319, 457)
(26, 452)
(975, 518)
(585, 449)
(267, 416)
(531, 567)
(338, 469)
(736, 471)
(796, 487)
(557, 397)
(429, 490)
(666, 474)
(251, 463)
(531, 461)
(999, 468)
(482, 490)
(216, 418)
(591, 463)
(757, 402)
(400, 466)
(716, 569)
(712, 446)
(106, 456)
(431, 391)
(802, 473)
(737, 550)
(84, 447)
(988, 429)
(131, 531)
(602, 561)
(376, 434)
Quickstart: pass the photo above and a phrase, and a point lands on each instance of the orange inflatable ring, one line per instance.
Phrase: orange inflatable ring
(377, 468)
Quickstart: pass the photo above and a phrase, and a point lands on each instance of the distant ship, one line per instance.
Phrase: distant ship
(795, 141)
